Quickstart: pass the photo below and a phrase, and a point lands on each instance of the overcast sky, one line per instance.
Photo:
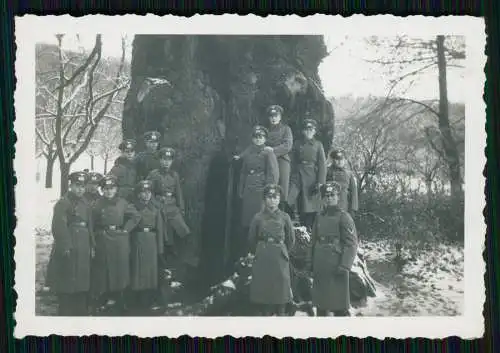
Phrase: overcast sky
(344, 72)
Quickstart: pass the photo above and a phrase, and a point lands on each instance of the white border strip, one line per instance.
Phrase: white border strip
(29, 29)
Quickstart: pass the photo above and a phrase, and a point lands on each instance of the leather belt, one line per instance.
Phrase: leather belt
(79, 224)
(327, 241)
(252, 171)
(271, 240)
(111, 227)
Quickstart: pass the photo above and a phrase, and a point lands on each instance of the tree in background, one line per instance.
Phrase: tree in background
(110, 135)
(75, 91)
(409, 59)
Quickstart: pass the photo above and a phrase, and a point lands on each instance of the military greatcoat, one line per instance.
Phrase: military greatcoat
(271, 234)
(259, 168)
(125, 172)
(72, 231)
(167, 190)
(92, 197)
(348, 197)
(334, 247)
(146, 245)
(114, 219)
(146, 163)
(280, 138)
(308, 170)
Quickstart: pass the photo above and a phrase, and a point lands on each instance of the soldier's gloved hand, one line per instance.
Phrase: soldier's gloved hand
(268, 149)
(341, 271)
(236, 157)
(92, 253)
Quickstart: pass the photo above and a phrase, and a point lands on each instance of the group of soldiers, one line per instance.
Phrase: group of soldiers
(279, 178)
(114, 235)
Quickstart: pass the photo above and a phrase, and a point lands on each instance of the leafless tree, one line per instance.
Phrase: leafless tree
(74, 94)
(410, 58)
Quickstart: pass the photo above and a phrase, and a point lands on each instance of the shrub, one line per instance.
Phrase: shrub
(413, 216)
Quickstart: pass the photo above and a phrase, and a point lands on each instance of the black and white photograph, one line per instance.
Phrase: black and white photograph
(239, 169)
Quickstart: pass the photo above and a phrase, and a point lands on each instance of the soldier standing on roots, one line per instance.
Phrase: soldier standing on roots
(271, 237)
(125, 169)
(68, 273)
(260, 167)
(146, 246)
(167, 189)
(334, 246)
(337, 172)
(308, 174)
(114, 219)
(92, 189)
(280, 141)
(147, 161)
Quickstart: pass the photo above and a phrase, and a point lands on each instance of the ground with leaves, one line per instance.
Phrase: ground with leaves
(426, 281)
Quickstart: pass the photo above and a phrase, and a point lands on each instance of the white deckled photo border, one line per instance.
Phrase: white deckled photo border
(470, 325)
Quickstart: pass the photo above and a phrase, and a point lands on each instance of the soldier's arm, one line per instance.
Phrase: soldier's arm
(314, 238)
(272, 169)
(160, 231)
(60, 229)
(178, 191)
(286, 143)
(294, 162)
(349, 240)
(289, 232)
(321, 164)
(253, 233)
(243, 174)
(353, 193)
(132, 217)
(91, 225)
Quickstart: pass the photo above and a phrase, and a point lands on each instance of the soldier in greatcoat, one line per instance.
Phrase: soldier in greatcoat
(308, 174)
(92, 193)
(146, 246)
(147, 160)
(337, 172)
(280, 141)
(125, 169)
(259, 167)
(114, 219)
(179, 252)
(334, 247)
(271, 236)
(68, 273)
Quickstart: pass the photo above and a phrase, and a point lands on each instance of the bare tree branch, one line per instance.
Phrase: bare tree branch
(83, 67)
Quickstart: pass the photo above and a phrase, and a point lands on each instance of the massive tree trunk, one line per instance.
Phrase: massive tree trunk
(212, 90)
(449, 143)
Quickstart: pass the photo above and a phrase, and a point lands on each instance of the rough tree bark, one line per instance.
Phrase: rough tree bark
(49, 171)
(212, 89)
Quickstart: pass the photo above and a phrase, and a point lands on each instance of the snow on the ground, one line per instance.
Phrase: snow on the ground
(431, 284)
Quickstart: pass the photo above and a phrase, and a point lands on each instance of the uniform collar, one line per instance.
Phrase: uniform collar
(310, 142)
(165, 171)
(72, 197)
(272, 213)
(331, 209)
